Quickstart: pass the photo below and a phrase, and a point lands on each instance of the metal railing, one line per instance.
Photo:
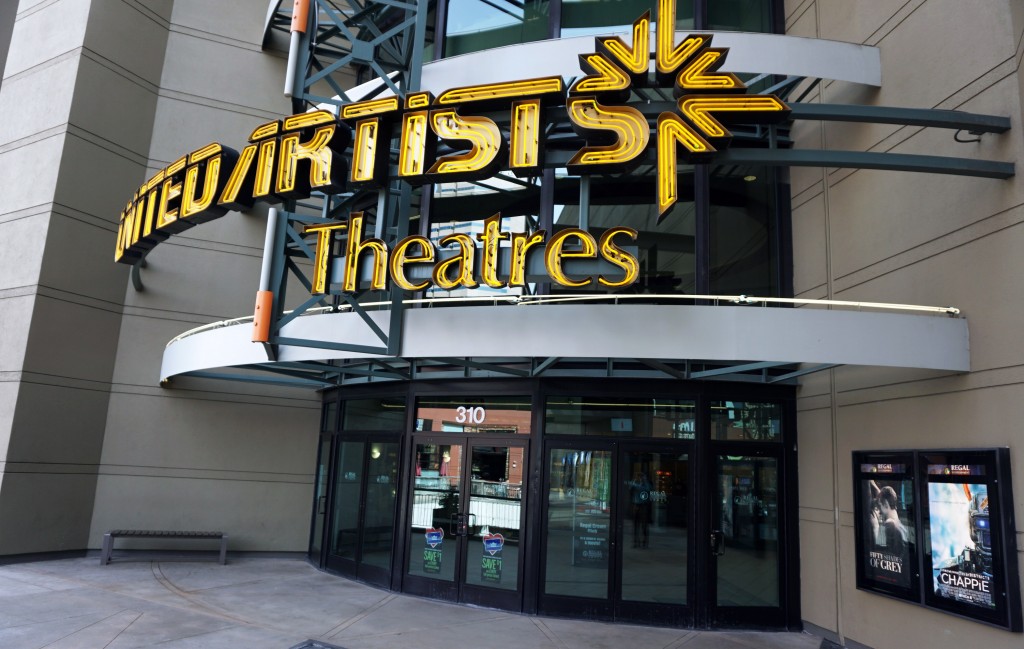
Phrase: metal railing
(534, 300)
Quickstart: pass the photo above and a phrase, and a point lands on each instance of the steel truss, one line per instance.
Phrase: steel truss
(322, 375)
(345, 42)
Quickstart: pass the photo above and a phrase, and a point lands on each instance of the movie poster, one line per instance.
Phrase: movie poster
(961, 536)
(887, 525)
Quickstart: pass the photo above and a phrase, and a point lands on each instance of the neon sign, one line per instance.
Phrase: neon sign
(290, 158)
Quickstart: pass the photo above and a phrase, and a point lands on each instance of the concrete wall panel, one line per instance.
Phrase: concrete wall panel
(45, 510)
(809, 246)
(22, 241)
(42, 35)
(34, 89)
(818, 575)
(23, 191)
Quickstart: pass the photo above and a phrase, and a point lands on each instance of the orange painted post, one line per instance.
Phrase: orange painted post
(261, 317)
(300, 16)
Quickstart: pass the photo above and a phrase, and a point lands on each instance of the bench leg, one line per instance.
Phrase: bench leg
(108, 548)
(224, 550)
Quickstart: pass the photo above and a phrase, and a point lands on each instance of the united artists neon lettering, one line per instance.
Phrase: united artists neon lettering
(290, 158)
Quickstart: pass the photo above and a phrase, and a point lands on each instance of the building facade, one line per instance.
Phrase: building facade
(661, 451)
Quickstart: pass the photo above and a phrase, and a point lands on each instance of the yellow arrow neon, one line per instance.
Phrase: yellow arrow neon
(698, 110)
(667, 56)
(694, 76)
(609, 76)
(638, 57)
(673, 131)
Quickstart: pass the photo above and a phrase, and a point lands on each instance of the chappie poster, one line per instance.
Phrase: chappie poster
(961, 543)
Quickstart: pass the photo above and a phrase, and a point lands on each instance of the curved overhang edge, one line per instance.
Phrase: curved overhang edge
(709, 333)
(748, 52)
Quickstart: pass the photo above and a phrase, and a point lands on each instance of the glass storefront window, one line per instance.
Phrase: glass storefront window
(374, 414)
(740, 15)
(475, 25)
(601, 17)
(329, 416)
(435, 507)
(486, 415)
(347, 485)
(654, 543)
(461, 209)
(658, 418)
(666, 250)
(579, 530)
(746, 421)
(381, 495)
(743, 229)
(747, 517)
(495, 508)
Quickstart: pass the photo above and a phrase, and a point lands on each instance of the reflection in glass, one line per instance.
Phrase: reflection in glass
(748, 518)
(740, 15)
(743, 231)
(461, 208)
(654, 544)
(746, 420)
(475, 25)
(579, 523)
(329, 416)
(435, 504)
(666, 249)
(374, 414)
(490, 415)
(347, 484)
(586, 17)
(379, 515)
(495, 508)
(661, 418)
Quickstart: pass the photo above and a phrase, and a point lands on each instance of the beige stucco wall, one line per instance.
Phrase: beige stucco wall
(909, 238)
(97, 95)
(206, 454)
(63, 164)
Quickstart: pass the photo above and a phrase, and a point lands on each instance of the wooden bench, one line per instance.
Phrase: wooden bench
(108, 540)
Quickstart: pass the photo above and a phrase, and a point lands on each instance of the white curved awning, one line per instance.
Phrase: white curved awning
(710, 333)
(755, 53)
(748, 52)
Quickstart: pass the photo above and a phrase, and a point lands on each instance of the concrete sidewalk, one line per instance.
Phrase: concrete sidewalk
(257, 603)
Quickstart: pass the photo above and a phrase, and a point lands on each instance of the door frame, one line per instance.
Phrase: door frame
(613, 607)
(458, 590)
(356, 567)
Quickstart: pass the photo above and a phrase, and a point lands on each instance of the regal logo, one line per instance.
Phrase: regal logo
(290, 158)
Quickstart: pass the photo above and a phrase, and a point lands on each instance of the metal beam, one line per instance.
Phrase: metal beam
(475, 365)
(952, 119)
(663, 367)
(545, 364)
(809, 370)
(735, 369)
(869, 160)
(225, 376)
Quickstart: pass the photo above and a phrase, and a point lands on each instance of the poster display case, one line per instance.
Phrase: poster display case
(936, 527)
(886, 507)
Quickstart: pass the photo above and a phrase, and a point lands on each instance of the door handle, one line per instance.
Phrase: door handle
(717, 547)
(461, 524)
(321, 505)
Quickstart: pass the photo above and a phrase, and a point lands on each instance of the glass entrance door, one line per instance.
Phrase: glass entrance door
(617, 532)
(467, 518)
(654, 557)
(363, 501)
(745, 554)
